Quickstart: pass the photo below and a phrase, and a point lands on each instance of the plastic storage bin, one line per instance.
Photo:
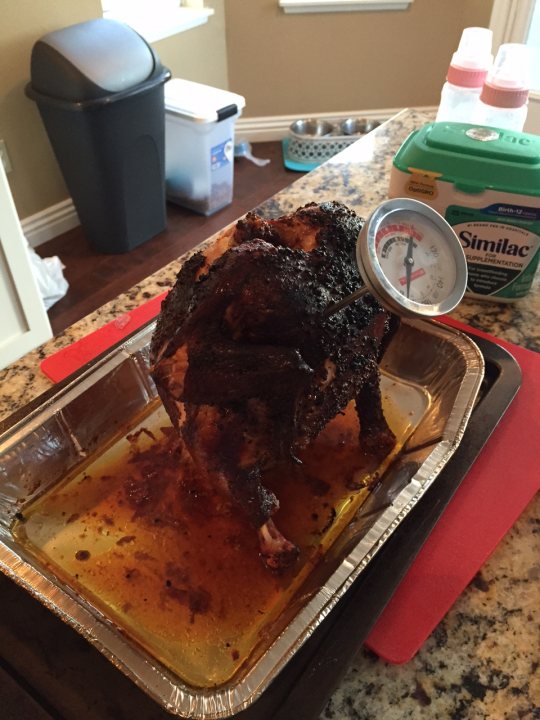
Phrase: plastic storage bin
(199, 145)
(99, 89)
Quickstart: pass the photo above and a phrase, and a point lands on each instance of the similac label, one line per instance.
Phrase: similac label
(502, 246)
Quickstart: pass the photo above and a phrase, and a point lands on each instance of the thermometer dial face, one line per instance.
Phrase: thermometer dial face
(411, 259)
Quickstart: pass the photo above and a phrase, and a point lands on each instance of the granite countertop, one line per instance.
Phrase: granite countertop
(482, 660)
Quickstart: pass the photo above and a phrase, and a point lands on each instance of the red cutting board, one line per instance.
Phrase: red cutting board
(66, 361)
(502, 481)
(488, 502)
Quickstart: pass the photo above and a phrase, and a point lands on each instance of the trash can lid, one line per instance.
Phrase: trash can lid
(201, 103)
(91, 59)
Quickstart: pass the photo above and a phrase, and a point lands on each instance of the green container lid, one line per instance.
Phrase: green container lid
(474, 158)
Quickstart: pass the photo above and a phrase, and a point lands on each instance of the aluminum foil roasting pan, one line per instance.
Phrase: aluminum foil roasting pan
(431, 373)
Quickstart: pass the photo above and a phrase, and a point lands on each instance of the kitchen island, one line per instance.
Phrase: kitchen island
(482, 659)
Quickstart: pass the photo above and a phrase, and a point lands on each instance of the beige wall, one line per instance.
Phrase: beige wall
(36, 181)
(199, 54)
(305, 63)
(282, 64)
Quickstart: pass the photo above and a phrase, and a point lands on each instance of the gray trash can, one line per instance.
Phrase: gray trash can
(98, 86)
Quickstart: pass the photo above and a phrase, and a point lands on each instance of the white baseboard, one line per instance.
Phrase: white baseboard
(276, 127)
(60, 218)
(47, 224)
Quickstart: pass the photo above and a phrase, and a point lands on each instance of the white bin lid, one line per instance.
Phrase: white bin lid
(201, 103)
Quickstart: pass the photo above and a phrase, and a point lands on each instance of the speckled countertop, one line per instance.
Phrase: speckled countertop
(482, 660)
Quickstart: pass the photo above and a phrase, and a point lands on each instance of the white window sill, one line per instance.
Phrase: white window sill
(319, 6)
(162, 24)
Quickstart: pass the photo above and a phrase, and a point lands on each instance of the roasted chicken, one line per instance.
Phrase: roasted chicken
(249, 367)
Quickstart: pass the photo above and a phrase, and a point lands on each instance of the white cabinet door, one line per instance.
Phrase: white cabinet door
(23, 320)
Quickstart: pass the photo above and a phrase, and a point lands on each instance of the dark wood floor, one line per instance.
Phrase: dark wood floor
(96, 278)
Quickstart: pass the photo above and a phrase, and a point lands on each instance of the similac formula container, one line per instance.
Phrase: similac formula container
(486, 183)
(199, 145)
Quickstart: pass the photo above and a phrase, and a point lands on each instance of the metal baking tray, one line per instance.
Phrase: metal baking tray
(436, 369)
(302, 691)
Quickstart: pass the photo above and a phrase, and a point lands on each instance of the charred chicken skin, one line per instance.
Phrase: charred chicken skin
(250, 369)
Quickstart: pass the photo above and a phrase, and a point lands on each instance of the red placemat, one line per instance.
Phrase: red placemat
(486, 505)
(503, 480)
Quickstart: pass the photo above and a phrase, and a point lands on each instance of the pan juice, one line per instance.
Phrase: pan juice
(165, 556)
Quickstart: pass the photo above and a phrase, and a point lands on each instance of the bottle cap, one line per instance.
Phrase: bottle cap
(472, 60)
(508, 82)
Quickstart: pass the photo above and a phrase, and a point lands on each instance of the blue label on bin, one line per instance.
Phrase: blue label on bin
(221, 155)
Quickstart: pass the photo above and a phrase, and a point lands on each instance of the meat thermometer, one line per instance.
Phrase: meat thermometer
(410, 259)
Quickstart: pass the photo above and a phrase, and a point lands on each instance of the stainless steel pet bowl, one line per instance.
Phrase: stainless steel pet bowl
(357, 126)
(312, 128)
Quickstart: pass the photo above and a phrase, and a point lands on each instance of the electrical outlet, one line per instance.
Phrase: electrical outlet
(6, 162)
